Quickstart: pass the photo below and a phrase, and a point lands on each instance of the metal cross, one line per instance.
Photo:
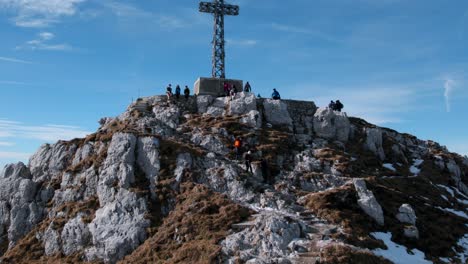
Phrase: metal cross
(218, 8)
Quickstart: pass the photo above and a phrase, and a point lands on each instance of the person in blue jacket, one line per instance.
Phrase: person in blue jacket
(275, 95)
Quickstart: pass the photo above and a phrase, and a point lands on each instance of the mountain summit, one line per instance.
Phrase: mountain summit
(162, 183)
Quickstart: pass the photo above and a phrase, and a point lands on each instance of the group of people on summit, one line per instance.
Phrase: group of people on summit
(177, 92)
(335, 106)
(230, 90)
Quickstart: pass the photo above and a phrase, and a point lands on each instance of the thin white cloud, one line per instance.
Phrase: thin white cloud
(242, 42)
(39, 13)
(449, 85)
(304, 31)
(14, 155)
(128, 12)
(42, 42)
(49, 133)
(14, 60)
(6, 144)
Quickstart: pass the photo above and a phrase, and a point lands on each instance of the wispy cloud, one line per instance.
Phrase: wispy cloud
(6, 144)
(304, 31)
(14, 60)
(242, 42)
(128, 12)
(449, 85)
(48, 133)
(39, 13)
(42, 42)
(14, 155)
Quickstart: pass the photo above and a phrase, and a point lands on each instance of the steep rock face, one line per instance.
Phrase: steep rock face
(330, 124)
(21, 203)
(160, 181)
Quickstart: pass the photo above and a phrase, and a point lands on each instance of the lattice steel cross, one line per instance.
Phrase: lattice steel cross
(219, 9)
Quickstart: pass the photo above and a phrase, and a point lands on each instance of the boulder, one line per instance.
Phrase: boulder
(368, 202)
(167, 115)
(148, 160)
(252, 119)
(243, 103)
(406, 214)
(411, 232)
(331, 124)
(276, 113)
(75, 236)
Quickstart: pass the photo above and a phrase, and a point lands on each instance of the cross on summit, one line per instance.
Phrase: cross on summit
(218, 8)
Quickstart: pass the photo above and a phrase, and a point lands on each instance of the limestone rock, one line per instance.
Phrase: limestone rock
(266, 240)
(455, 172)
(148, 160)
(330, 124)
(243, 103)
(406, 214)
(184, 161)
(167, 115)
(203, 101)
(411, 232)
(50, 160)
(210, 142)
(368, 202)
(252, 119)
(75, 236)
(118, 228)
(118, 167)
(374, 142)
(276, 113)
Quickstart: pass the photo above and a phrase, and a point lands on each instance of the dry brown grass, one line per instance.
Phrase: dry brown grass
(339, 254)
(339, 206)
(192, 231)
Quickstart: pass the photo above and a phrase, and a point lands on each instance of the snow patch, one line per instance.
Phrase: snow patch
(448, 189)
(455, 212)
(398, 253)
(463, 243)
(414, 168)
(389, 166)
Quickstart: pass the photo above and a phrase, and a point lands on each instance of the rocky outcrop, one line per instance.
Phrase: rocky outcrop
(374, 142)
(264, 240)
(331, 124)
(368, 202)
(100, 198)
(276, 113)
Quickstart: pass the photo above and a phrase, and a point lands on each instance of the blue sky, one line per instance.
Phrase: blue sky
(66, 63)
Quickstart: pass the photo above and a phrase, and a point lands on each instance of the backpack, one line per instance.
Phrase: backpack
(237, 143)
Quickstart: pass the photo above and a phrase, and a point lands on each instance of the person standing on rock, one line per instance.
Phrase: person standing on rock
(233, 93)
(248, 161)
(275, 95)
(186, 92)
(238, 146)
(332, 105)
(338, 106)
(247, 88)
(177, 92)
(169, 92)
(226, 89)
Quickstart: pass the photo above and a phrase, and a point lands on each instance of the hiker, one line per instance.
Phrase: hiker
(186, 92)
(332, 105)
(226, 89)
(248, 161)
(259, 96)
(233, 92)
(264, 166)
(177, 92)
(338, 105)
(237, 146)
(275, 95)
(169, 92)
(247, 88)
